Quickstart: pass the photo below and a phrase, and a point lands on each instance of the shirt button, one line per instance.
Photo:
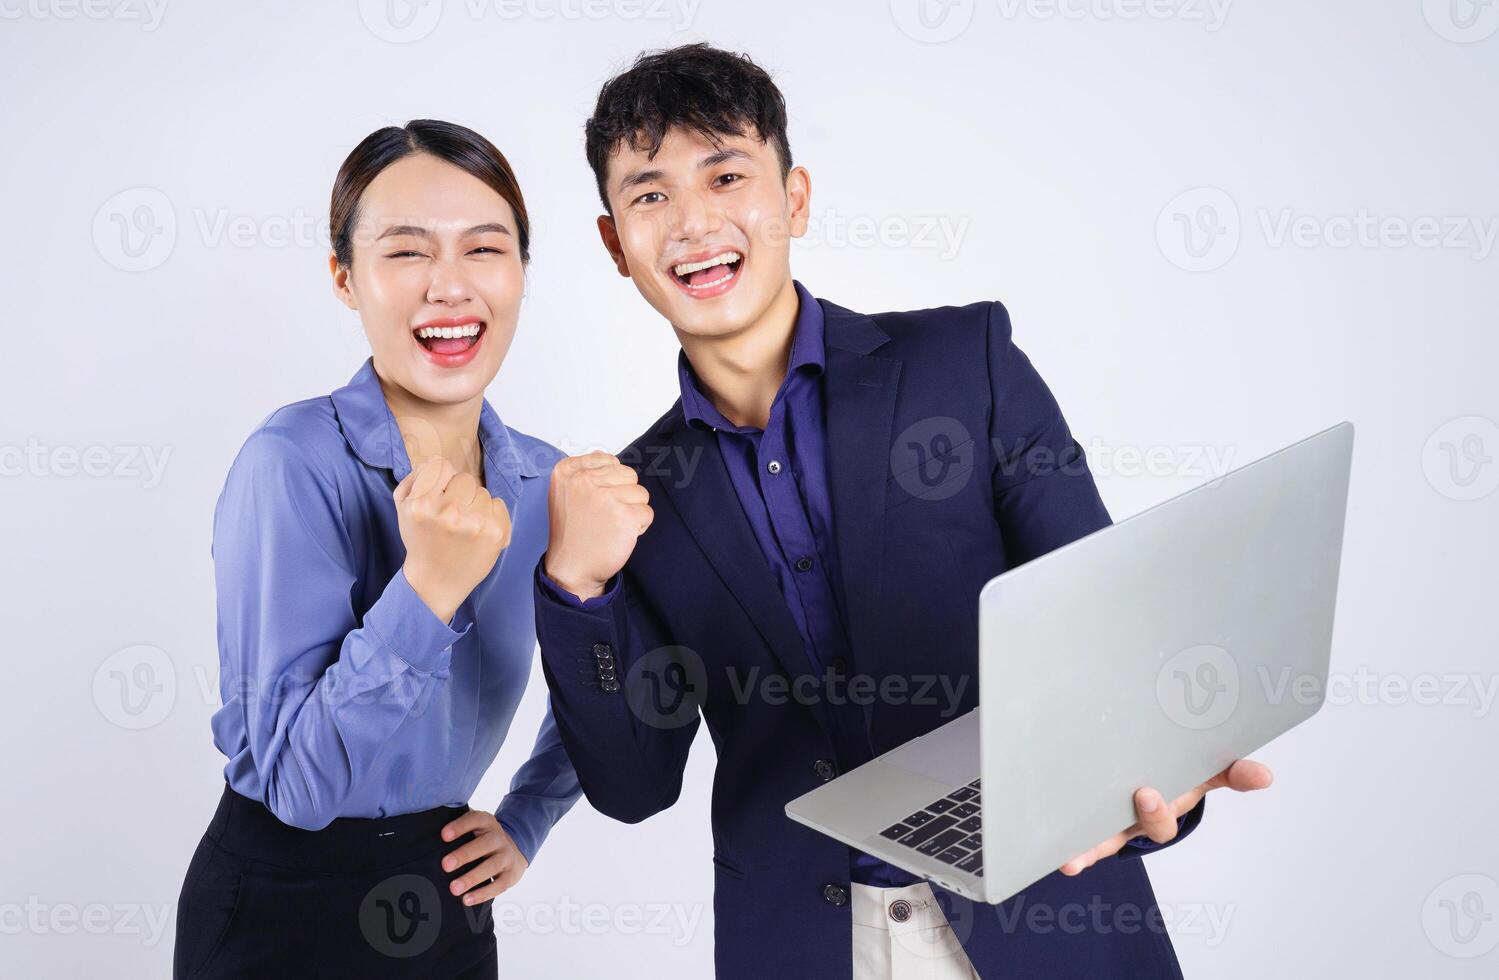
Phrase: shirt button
(599, 649)
(803, 564)
(900, 910)
(825, 770)
(609, 686)
(774, 466)
(835, 895)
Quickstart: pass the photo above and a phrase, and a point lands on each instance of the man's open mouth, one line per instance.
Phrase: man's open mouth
(719, 270)
(449, 340)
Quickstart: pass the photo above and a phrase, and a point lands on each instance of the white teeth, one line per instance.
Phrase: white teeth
(689, 267)
(467, 330)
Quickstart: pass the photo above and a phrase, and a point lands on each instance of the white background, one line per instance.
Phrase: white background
(1051, 157)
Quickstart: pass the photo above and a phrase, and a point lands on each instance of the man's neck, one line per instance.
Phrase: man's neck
(741, 373)
(432, 429)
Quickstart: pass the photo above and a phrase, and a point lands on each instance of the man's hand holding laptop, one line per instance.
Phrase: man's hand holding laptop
(1158, 821)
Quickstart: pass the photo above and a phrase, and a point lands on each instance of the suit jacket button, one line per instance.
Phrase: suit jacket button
(825, 770)
(835, 895)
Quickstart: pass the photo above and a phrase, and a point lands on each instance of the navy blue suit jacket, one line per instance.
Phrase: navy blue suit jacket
(949, 462)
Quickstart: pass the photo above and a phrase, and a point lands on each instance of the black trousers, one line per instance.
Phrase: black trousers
(360, 898)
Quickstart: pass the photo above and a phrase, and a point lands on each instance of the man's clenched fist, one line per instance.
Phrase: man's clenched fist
(453, 530)
(598, 510)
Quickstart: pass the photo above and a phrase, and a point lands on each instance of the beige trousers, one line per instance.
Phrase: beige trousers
(901, 934)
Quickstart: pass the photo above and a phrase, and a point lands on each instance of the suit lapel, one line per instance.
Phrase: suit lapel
(861, 391)
(710, 509)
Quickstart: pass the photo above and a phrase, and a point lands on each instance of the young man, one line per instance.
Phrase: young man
(794, 553)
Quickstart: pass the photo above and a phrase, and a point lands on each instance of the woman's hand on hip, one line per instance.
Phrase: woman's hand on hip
(501, 861)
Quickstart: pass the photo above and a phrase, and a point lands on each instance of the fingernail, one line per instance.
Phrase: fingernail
(1150, 804)
(447, 865)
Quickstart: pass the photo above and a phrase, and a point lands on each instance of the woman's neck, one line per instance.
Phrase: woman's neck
(434, 429)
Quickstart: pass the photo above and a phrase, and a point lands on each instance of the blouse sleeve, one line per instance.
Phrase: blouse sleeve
(322, 692)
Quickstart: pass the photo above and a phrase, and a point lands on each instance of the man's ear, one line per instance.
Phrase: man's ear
(341, 283)
(610, 236)
(798, 200)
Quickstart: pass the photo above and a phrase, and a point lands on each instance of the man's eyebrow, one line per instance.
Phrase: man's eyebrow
(421, 232)
(639, 177)
(720, 156)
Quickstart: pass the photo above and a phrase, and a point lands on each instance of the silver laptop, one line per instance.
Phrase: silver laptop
(1153, 652)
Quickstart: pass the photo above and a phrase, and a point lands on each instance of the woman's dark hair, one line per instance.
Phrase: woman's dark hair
(458, 145)
(694, 86)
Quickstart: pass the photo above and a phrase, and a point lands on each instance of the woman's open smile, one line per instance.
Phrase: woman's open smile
(450, 341)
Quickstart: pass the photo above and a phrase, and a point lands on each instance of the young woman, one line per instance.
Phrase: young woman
(373, 551)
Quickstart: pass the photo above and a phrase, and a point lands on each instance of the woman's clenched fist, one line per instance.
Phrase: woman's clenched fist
(453, 530)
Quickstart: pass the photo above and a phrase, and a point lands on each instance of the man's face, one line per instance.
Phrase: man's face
(705, 231)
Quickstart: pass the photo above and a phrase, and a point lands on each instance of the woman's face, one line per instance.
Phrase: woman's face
(435, 250)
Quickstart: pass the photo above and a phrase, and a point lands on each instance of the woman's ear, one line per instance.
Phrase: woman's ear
(341, 282)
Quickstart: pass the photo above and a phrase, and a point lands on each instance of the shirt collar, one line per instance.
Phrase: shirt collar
(806, 353)
(371, 431)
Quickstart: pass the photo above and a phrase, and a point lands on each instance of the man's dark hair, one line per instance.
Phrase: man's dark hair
(697, 87)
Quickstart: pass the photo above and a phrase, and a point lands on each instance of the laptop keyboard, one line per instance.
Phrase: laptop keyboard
(947, 829)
